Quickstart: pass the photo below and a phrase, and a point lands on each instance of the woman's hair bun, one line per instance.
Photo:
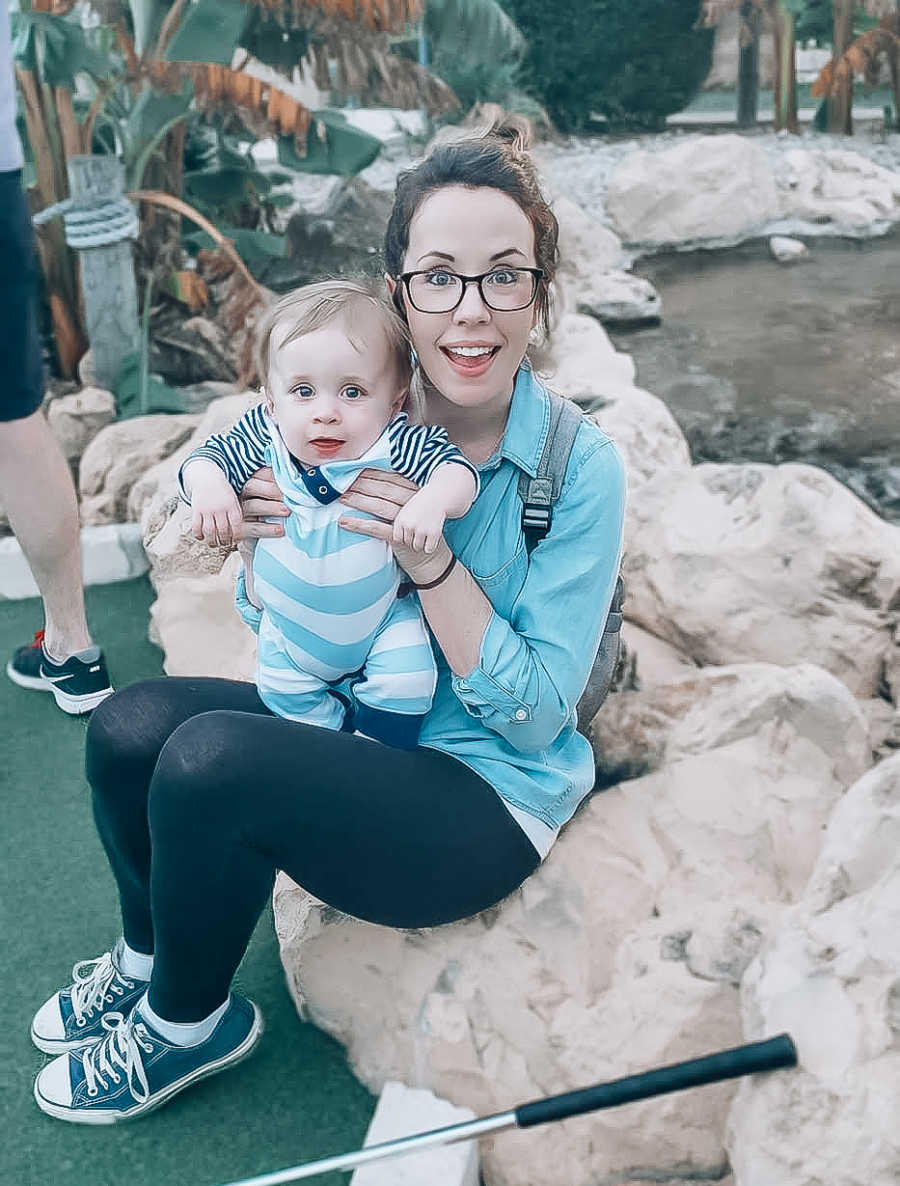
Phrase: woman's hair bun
(515, 130)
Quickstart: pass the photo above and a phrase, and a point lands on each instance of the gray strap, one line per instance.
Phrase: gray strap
(540, 492)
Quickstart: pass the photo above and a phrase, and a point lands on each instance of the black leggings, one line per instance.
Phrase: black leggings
(200, 793)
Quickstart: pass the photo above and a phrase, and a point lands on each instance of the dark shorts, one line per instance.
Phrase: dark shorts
(21, 370)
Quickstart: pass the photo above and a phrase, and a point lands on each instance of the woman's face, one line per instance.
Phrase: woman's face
(470, 231)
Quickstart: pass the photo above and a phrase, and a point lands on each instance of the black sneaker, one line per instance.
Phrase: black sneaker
(78, 685)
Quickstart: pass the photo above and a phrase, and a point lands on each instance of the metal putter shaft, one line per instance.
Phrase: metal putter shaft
(769, 1055)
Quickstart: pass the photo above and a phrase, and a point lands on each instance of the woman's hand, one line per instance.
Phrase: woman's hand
(261, 498)
(383, 493)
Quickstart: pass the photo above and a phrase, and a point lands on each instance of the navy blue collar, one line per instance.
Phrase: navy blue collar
(315, 482)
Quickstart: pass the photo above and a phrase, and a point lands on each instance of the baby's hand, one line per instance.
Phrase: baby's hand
(217, 511)
(419, 524)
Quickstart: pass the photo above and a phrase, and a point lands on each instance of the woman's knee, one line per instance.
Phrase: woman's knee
(126, 733)
(197, 767)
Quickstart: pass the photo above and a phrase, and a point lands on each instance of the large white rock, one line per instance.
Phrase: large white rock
(709, 187)
(586, 246)
(618, 298)
(622, 952)
(654, 661)
(76, 419)
(581, 362)
(735, 563)
(838, 186)
(162, 478)
(195, 623)
(697, 710)
(119, 455)
(831, 977)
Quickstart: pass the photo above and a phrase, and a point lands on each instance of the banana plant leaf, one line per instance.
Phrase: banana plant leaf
(210, 31)
(252, 246)
(332, 146)
(159, 397)
(55, 49)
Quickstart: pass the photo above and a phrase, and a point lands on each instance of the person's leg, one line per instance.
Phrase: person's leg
(399, 678)
(36, 487)
(405, 838)
(124, 739)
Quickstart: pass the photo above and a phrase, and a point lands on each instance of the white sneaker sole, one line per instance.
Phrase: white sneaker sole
(73, 705)
(25, 681)
(76, 705)
(62, 1045)
(77, 1116)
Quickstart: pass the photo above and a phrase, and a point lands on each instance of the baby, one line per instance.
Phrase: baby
(335, 361)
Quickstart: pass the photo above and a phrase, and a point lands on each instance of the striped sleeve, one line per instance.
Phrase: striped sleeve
(239, 452)
(418, 449)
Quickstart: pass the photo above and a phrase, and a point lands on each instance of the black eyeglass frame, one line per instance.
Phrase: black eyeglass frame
(537, 275)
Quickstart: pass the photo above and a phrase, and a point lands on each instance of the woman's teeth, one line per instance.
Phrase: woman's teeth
(470, 351)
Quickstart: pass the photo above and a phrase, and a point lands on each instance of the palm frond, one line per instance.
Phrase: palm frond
(863, 56)
(379, 16)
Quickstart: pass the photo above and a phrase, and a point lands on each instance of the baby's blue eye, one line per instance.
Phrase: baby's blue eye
(352, 392)
(303, 391)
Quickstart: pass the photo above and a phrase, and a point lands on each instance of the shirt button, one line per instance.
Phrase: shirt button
(521, 714)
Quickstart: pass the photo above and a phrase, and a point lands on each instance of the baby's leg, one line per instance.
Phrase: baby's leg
(399, 678)
(293, 693)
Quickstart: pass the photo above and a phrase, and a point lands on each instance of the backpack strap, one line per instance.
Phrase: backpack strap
(539, 493)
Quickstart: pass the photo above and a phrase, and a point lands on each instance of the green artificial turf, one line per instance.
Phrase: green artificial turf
(293, 1101)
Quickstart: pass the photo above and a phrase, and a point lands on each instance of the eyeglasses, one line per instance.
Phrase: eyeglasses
(502, 289)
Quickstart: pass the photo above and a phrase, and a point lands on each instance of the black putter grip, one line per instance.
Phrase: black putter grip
(769, 1055)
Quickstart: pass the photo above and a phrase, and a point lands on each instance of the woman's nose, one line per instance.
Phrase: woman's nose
(471, 308)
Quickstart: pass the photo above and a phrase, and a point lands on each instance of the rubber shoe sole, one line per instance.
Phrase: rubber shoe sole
(75, 1116)
(73, 705)
(26, 681)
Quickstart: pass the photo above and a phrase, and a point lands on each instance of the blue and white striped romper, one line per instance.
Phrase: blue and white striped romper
(329, 596)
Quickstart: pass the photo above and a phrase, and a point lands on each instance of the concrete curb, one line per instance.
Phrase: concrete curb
(112, 552)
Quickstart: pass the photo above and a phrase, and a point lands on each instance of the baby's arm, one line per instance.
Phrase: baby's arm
(448, 494)
(216, 509)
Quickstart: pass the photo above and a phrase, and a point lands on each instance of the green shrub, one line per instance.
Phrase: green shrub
(632, 61)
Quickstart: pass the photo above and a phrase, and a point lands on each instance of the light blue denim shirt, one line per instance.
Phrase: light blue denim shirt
(512, 719)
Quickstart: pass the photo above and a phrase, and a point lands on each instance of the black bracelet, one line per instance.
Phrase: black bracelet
(442, 577)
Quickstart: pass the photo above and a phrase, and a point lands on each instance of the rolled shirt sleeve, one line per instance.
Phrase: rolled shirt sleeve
(559, 616)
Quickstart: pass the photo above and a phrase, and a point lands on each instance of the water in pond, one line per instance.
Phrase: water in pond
(760, 361)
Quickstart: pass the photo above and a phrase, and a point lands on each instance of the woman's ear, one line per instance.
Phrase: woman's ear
(391, 283)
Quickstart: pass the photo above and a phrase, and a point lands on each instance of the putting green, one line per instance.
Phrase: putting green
(293, 1101)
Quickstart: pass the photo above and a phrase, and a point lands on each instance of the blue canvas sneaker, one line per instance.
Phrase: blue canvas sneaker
(134, 1069)
(74, 1015)
(78, 685)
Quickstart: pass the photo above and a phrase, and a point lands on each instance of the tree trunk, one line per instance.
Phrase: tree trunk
(785, 71)
(748, 65)
(840, 107)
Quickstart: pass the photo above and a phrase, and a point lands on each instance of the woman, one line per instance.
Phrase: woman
(223, 793)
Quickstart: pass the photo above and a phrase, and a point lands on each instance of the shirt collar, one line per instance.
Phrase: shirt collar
(528, 422)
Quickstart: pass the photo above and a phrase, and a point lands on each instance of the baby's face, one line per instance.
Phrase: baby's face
(332, 392)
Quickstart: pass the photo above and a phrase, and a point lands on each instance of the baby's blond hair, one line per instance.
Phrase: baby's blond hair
(313, 306)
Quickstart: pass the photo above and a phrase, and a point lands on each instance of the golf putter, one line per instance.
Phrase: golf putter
(772, 1054)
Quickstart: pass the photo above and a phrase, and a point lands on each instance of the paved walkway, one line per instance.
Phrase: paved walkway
(293, 1101)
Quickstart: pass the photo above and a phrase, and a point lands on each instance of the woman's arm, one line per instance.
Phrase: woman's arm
(523, 677)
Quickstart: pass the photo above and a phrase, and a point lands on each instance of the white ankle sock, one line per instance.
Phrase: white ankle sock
(133, 964)
(181, 1033)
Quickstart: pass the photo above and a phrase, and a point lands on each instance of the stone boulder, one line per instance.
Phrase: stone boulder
(195, 623)
(618, 298)
(582, 363)
(162, 479)
(654, 661)
(838, 186)
(637, 732)
(119, 455)
(785, 250)
(586, 246)
(830, 976)
(709, 187)
(76, 419)
(783, 564)
(622, 951)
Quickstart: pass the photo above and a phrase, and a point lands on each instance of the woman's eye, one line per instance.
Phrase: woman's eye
(441, 279)
(503, 277)
(353, 393)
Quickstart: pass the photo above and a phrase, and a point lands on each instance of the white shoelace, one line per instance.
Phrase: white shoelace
(119, 1051)
(95, 982)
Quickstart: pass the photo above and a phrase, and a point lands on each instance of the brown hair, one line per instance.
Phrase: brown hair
(314, 305)
(496, 157)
